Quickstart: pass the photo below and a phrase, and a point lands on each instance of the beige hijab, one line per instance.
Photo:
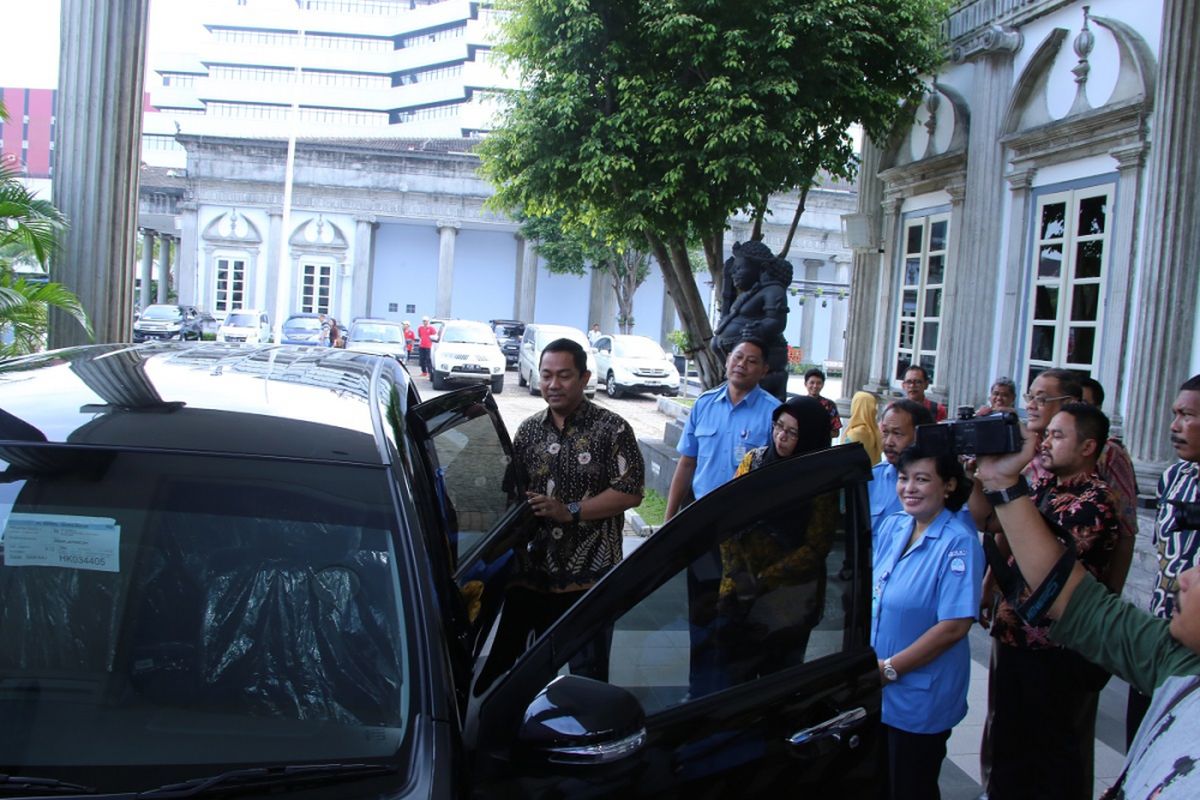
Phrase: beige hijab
(863, 428)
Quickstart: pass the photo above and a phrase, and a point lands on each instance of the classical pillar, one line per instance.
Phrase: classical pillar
(147, 265)
(1162, 343)
(447, 231)
(1020, 187)
(164, 272)
(863, 314)
(362, 272)
(669, 320)
(973, 271)
(808, 316)
(518, 276)
(97, 135)
(837, 325)
(882, 354)
(186, 278)
(1118, 313)
(597, 288)
(527, 290)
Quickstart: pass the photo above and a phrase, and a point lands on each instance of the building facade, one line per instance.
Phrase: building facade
(1035, 211)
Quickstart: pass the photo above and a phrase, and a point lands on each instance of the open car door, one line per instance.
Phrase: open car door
(740, 663)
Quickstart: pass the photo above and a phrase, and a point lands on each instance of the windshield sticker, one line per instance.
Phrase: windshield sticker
(62, 540)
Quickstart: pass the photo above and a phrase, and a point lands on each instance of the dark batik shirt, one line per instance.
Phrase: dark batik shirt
(1178, 546)
(1085, 510)
(835, 419)
(596, 450)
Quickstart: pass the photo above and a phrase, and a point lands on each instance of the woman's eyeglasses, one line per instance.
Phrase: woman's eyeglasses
(785, 432)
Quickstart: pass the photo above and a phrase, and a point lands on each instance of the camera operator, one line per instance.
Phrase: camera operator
(1155, 655)
(1043, 698)
(1176, 538)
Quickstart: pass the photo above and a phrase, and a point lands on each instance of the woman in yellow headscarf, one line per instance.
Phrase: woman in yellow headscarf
(863, 428)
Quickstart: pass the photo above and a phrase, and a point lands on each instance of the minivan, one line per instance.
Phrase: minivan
(534, 341)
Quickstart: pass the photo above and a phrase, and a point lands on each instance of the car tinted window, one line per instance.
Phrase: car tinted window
(241, 320)
(467, 334)
(375, 332)
(509, 330)
(637, 348)
(189, 610)
(162, 313)
(768, 600)
(303, 324)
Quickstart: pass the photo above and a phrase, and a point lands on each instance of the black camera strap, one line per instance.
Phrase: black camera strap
(1032, 611)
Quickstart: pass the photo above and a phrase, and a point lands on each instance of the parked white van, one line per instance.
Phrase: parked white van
(536, 337)
(245, 325)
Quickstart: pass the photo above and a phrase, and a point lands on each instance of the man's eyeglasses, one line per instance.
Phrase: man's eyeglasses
(1041, 399)
(785, 432)
(913, 382)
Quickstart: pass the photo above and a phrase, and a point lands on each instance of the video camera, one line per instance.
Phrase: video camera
(996, 433)
(1189, 514)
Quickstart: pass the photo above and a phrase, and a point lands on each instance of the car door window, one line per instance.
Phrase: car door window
(470, 455)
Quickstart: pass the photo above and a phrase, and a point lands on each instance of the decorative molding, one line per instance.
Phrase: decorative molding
(899, 149)
(1131, 156)
(929, 175)
(1021, 179)
(995, 40)
(1094, 133)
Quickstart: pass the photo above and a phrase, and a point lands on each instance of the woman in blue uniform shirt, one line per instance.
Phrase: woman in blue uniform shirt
(928, 568)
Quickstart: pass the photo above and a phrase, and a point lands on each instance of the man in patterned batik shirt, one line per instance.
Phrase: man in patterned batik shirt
(1045, 696)
(582, 469)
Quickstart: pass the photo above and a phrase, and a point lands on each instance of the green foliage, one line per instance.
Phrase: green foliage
(661, 119)
(653, 509)
(680, 340)
(24, 311)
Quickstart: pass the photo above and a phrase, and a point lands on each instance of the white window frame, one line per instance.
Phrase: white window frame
(309, 300)
(235, 299)
(910, 343)
(1070, 290)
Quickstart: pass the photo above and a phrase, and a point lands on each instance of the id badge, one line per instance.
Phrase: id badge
(739, 452)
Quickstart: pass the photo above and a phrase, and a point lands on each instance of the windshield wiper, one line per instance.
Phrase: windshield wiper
(301, 776)
(27, 785)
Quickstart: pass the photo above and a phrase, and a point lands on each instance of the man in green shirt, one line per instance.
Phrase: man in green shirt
(1157, 656)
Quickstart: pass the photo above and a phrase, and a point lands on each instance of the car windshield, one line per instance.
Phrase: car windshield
(637, 347)
(162, 313)
(303, 324)
(166, 609)
(241, 320)
(377, 332)
(509, 330)
(467, 334)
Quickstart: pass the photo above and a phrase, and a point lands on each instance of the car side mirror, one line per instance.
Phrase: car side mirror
(577, 720)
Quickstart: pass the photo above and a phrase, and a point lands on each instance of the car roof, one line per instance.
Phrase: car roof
(281, 401)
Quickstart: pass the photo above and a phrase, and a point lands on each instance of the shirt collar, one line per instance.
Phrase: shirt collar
(723, 394)
(581, 412)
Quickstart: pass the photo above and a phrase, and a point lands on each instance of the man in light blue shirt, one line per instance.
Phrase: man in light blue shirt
(724, 425)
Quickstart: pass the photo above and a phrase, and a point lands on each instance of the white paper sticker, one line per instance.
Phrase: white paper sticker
(62, 540)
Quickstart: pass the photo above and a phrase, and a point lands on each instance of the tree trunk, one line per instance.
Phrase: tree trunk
(677, 275)
(787, 245)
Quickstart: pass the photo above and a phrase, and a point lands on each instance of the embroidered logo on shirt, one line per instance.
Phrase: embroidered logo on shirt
(958, 566)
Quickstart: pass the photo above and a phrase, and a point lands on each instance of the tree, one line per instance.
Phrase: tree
(660, 120)
(29, 229)
(571, 251)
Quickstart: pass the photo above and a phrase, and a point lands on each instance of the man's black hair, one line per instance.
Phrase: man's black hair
(1095, 387)
(1069, 383)
(1090, 422)
(918, 413)
(918, 368)
(757, 342)
(815, 371)
(1192, 384)
(947, 466)
(565, 345)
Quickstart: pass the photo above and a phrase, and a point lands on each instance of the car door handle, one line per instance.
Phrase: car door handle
(834, 726)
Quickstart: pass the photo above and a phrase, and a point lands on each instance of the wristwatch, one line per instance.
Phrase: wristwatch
(575, 510)
(1018, 489)
(889, 671)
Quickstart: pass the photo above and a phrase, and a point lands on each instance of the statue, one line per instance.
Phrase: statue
(754, 305)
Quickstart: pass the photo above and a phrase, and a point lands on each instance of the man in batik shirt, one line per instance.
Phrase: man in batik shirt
(582, 469)
(1043, 717)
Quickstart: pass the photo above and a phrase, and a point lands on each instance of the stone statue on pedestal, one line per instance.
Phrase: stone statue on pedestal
(754, 305)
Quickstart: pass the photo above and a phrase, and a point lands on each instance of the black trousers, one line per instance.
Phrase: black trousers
(914, 762)
(1043, 725)
(426, 361)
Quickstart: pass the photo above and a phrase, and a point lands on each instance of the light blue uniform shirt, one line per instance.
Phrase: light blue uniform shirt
(881, 492)
(938, 579)
(718, 434)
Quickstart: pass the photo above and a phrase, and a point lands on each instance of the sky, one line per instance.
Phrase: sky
(29, 60)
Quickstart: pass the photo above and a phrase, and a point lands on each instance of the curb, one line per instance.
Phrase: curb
(635, 521)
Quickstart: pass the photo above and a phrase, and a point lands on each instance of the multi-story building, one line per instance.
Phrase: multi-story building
(376, 68)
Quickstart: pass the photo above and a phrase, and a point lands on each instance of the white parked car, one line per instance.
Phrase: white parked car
(379, 336)
(536, 337)
(245, 325)
(467, 351)
(635, 364)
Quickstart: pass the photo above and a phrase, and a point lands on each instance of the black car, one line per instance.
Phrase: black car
(249, 571)
(170, 322)
(508, 336)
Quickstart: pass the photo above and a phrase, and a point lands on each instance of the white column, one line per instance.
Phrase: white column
(147, 268)
(837, 325)
(864, 304)
(883, 356)
(447, 231)
(527, 291)
(363, 272)
(272, 265)
(98, 132)
(164, 272)
(598, 289)
(808, 314)
(669, 321)
(187, 279)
